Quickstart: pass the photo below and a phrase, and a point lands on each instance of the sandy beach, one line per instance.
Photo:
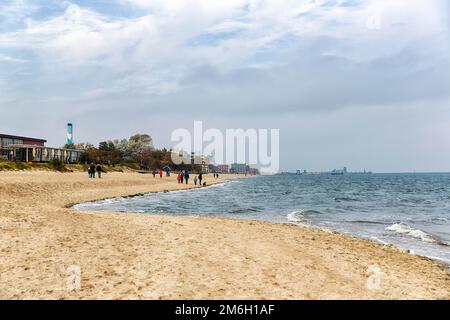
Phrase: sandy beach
(136, 256)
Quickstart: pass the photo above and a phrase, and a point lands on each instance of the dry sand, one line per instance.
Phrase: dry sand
(127, 256)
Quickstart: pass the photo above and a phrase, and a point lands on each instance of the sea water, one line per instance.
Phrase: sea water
(411, 211)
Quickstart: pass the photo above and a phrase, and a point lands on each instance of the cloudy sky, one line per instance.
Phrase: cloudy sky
(364, 84)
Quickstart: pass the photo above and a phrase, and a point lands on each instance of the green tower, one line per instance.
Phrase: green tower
(69, 134)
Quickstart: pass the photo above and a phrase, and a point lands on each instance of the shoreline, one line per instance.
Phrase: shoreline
(143, 256)
(190, 188)
(227, 180)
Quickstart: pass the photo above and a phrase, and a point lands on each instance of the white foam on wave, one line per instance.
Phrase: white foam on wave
(405, 229)
(300, 215)
(110, 201)
(219, 184)
(296, 216)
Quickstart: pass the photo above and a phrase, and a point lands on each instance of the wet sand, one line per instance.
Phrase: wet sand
(136, 256)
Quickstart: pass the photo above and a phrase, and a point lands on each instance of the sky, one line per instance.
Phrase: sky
(362, 84)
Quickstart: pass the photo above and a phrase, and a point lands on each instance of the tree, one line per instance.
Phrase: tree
(139, 147)
(83, 146)
(79, 146)
(106, 146)
(142, 138)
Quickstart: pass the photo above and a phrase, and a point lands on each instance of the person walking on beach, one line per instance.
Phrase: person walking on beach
(200, 178)
(154, 173)
(217, 176)
(179, 178)
(186, 176)
(195, 180)
(182, 177)
(92, 169)
(160, 173)
(99, 171)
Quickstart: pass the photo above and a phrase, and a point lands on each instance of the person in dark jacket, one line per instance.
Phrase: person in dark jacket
(99, 171)
(92, 170)
(186, 176)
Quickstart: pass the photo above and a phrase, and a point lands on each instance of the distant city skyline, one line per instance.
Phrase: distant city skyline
(361, 84)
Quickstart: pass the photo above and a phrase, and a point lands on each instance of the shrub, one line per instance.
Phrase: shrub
(14, 166)
(57, 165)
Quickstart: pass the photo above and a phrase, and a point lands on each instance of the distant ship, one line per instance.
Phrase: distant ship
(339, 172)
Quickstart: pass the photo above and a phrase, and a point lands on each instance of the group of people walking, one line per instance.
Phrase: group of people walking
(154, 172)
(183, 177)
(93, 169)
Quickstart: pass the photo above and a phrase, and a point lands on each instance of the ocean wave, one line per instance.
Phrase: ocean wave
(107, 201)
(345, 199)
(245, 210)
(365, 222)
(296, 216)
(300, 216)
(433, 220)
(407, 230)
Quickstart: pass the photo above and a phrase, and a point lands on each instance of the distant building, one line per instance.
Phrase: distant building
(239, 168)
(253, 171)
(24, 149)
(7, 140)
(223, 168)
(201, 163)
